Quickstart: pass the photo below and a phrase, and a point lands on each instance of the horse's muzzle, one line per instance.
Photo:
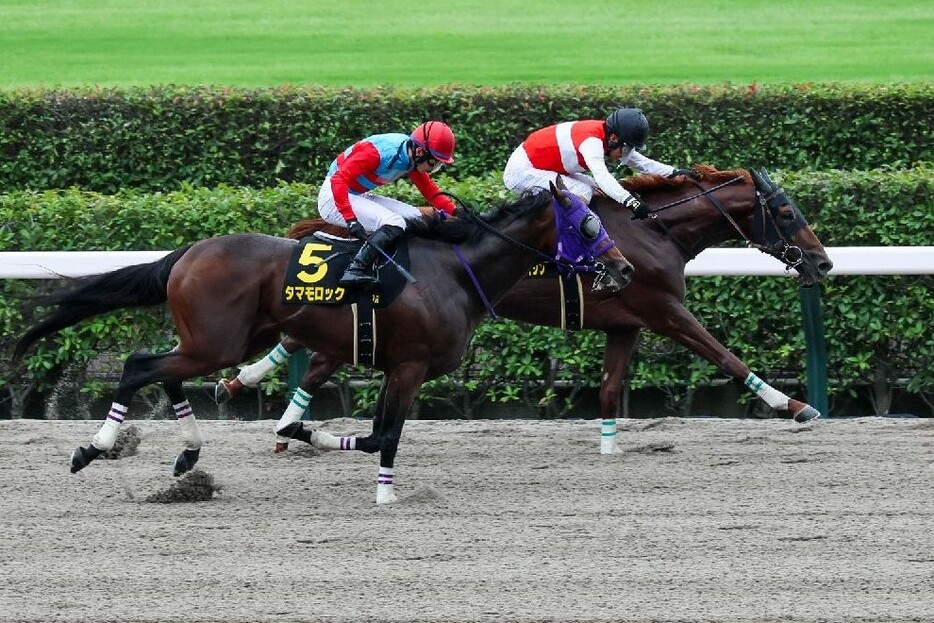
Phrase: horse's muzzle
(614, 283)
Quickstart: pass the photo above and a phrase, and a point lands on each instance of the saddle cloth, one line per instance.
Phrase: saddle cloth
(317, 263)
(313, 278)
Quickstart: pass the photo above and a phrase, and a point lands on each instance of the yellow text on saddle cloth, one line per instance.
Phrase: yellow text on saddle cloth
(315, 268)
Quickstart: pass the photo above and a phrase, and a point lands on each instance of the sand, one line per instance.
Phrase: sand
(692, 520)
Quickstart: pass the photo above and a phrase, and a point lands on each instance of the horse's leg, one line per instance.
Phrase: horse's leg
(132, 379)
(616, 358)
(680, 325)
(388, 419)
(289, 425)
(251, 374)
(397, 395)
(191, 432)
(139, 370)
(326, 441)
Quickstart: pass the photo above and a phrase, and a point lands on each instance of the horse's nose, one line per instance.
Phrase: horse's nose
(824, 266)
(626, 273)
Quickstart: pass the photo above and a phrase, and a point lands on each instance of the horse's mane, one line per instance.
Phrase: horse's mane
(454, 230)
(702, 172)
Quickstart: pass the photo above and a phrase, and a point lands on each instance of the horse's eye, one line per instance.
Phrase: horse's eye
(590, 227)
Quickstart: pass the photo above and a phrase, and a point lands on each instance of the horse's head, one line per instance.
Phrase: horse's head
(780, 230)
(583, 242)
(711, 206)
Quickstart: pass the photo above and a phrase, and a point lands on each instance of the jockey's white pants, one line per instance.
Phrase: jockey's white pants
(520, 176)
(373, 211)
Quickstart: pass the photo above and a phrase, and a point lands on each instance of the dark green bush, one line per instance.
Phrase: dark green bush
(161, 138)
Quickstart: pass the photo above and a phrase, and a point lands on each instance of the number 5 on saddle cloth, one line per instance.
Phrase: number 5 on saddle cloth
(313, 278)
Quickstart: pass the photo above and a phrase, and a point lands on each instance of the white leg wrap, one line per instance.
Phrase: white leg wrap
(294, 412)
(384, 486)
(107, 435)
(191, 432)
(250, 375)
(608, 436)
(327, 441)
(766, 392)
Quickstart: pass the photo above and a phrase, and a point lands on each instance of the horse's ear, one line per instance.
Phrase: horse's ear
(758, 180)
(558, 189)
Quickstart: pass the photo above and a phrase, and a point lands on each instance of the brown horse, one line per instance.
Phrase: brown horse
(691, 213)
(225, 295)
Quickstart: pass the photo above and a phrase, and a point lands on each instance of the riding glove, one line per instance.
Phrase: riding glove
(356, 229)
(638, 207)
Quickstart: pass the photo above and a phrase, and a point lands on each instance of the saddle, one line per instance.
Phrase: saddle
(313, 278)
(317, 263)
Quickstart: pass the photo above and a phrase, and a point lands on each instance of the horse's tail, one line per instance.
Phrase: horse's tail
(141, 285)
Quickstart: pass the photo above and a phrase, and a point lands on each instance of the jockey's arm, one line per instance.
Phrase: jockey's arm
(592, 152)
(644, 164)
(431, 192)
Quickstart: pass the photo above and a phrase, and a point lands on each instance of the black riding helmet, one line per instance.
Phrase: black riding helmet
(630, 125)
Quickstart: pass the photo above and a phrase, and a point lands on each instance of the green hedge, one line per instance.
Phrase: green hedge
(878, 331)
(158, 139)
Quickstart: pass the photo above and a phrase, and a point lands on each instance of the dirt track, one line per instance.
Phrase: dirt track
(694, 520)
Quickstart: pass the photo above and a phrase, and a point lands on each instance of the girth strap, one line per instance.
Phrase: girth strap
(364, 317)
(572, 309)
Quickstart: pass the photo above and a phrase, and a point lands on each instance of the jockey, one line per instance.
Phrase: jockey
(345, 198)
(573, 147)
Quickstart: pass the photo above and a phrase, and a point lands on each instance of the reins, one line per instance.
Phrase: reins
(707, 194)
(564, 266)
(762, 213)
(521, 245)
(470, 214)
(703, 192)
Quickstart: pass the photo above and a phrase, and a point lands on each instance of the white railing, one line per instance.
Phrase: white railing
(737, 262)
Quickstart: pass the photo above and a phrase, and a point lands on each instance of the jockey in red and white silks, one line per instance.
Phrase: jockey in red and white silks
(576, 147)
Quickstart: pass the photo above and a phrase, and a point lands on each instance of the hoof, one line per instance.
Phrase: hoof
(185, 461)
(281, 447)
(82, 457)
(295, 430)
(386, 498)
(225, 390)
(806, 414)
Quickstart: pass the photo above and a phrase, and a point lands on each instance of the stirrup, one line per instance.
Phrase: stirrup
(363, 277)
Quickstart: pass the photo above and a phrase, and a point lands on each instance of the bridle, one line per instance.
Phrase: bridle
(768, 235)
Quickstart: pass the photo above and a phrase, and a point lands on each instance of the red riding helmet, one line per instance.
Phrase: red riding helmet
(437, 139)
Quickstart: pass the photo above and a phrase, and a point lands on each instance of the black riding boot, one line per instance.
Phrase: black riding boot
(362, 273)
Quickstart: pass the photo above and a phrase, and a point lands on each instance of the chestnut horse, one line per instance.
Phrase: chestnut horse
(225, 295)
(691, 213)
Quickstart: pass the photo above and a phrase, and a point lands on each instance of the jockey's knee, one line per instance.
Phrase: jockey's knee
(395, 220)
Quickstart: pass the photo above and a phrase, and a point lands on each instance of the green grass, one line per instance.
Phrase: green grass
(365, 43)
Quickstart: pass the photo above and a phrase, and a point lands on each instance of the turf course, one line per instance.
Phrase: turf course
(477, 42)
